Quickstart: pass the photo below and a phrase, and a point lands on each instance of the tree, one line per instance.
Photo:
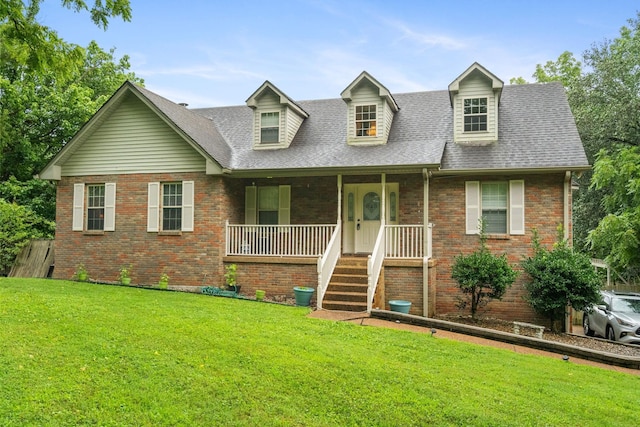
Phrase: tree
(604, 96)
(30, 43)
(48, 90)
(617, 236)
(482, 276)
(559, 278)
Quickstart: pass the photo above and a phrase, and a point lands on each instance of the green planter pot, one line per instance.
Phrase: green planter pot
(400, 306)
(260, 295)
(303, 295)
(82, 277)
(126, 280)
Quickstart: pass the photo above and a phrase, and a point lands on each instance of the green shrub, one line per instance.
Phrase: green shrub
(18, 225)
(482, 276)
(560, 278)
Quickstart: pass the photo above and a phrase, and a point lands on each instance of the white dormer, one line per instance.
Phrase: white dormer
(475, 97)
(276, 118)
(370, 111)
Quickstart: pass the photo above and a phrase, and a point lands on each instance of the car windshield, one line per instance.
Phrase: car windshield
(625, 305)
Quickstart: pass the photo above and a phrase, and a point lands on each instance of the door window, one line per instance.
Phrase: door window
(371, 207)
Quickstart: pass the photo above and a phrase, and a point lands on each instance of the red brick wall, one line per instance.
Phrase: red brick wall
(544, 209)
(192, 258)
(277, 279)
(196, 258)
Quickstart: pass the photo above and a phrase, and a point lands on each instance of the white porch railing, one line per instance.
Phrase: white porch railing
(278, 240)
(327, 263)
(407, 241)
(374, 266)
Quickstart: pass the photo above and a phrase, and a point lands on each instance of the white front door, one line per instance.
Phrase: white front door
(368, 209)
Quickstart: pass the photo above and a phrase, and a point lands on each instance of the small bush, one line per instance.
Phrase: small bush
(482, 276)
(560, 277)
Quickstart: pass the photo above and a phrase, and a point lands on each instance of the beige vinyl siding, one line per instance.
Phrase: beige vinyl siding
(293, 123)
(133, 140)
(269, 102)
(476, 87)
(367, 94)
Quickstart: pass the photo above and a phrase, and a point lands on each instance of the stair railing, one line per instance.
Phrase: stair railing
(327, 263)
(374, 266)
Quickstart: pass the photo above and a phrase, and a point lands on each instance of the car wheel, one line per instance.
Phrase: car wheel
(611, 336)
(585, 325)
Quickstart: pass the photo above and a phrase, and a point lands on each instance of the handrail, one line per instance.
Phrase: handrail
(374, 266)
(327, 263)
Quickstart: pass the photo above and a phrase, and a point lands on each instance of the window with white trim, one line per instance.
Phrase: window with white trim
(268, 205)
(475, 114)
(270, 127)
(366, 120)
(494, 206)
(94, 207)
(499, 203)
(170, 206)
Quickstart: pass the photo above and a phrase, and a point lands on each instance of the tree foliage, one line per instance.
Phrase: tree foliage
(559, 278)
(617, 236)
(26, 41)
(604, 95)
(48, 90)
(482, 276)
(18, 225)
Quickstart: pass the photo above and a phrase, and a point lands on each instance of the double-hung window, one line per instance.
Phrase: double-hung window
(170, 206)
(270, 127)
(94, 207)
(366, 120)
(268, 205)
(498, 204)
(494, 206)
(475, 114)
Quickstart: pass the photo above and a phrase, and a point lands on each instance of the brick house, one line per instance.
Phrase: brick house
(369, 187)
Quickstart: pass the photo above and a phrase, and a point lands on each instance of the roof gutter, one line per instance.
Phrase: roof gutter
(489, 171)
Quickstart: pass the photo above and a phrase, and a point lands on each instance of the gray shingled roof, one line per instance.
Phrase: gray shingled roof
(536, 131)
(200, 129)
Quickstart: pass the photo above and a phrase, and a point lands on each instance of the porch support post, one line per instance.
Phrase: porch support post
(383, 202)
(339, 198)
(425, 244)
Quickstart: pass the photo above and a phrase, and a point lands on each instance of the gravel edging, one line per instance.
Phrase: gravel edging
(540, 344)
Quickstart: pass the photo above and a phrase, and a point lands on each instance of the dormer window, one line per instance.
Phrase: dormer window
(475, 98)
(276, 118)
(366, 120)
(270, 127)
(475, 114)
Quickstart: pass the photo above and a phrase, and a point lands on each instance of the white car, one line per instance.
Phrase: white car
(616, 319)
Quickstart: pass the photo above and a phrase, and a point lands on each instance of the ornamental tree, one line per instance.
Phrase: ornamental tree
(482, 276)
(559, 278)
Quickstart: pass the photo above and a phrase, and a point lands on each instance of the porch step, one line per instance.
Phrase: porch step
(347, 290)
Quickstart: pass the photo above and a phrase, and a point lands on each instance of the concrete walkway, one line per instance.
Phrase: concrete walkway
(364, 319)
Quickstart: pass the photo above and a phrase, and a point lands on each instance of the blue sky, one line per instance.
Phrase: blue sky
(213, 53)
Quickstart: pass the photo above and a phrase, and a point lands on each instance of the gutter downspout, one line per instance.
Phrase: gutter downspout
(568, 324)
(567, 206)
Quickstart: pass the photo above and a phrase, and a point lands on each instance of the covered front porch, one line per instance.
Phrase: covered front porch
(380, 220)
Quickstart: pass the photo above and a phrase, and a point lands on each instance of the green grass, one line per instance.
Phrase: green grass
(82, 354)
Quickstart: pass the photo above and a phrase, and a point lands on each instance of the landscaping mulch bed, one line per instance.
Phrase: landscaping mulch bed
(597, 344)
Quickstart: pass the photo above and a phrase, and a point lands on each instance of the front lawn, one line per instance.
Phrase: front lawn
(74, 354)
